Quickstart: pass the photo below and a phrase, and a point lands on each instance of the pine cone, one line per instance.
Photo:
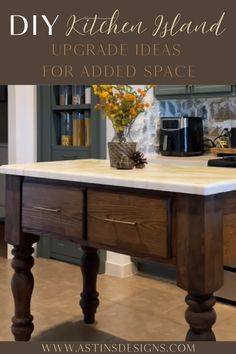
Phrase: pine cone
(139, 159)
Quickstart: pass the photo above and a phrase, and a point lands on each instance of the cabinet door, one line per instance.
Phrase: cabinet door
(211, 89)
(65, 251)
(171, 90)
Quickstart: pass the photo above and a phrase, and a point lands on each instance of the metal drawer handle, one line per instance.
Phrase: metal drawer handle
(47, 209)
(121, 222)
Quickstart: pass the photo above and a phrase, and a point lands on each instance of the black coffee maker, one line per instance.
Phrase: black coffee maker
(181, 136)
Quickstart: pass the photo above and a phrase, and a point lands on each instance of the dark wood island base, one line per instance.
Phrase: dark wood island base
(176, 228)
(200, 316)
(89, 296)
(22, 285)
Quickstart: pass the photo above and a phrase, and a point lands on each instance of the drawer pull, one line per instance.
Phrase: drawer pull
(121, 222)
(47, 209)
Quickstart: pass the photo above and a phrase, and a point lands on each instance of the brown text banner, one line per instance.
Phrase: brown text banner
(172, 42)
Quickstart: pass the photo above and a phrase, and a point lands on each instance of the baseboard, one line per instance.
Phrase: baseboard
(120, 271)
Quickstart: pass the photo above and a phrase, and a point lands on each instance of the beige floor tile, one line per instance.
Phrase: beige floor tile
(155, 301)
(130, 324)
(225, 329)
(113, 289)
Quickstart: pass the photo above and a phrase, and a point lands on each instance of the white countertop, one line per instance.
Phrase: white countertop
(178, 176)
(200, 160)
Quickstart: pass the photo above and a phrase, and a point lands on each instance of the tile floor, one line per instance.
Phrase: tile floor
(135, 308)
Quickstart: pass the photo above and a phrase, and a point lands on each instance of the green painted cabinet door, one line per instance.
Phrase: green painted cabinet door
(212, 89)
(171, 90)
(66, 252)
(184, 91)
(50, 149)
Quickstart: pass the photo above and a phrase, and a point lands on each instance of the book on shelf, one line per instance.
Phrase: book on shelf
(78, 129)
(87, 126)
(64, 95)
(81, 135)
(75, 130)
(78, 94)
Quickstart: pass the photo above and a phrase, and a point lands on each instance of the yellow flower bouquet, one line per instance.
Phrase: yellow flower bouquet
(121, 104)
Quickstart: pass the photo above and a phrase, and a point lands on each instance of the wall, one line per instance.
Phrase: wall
(22, 124)
(218, 113)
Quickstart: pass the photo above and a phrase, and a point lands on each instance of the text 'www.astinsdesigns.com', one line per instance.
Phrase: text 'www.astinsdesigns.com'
(118, 348)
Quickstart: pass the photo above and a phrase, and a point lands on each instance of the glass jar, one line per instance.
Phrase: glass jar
(66, 129)
(64, 95)
(122, 135)
(78, 94)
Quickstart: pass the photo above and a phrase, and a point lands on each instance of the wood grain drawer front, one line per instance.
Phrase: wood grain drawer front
(52, 210)
(135, 223)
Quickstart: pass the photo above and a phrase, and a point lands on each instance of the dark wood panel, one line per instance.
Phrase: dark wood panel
(199, 233)
(131, 222)
(3, 123)
(229, 230)
(3, 93)
(13, 234)
(53, 209)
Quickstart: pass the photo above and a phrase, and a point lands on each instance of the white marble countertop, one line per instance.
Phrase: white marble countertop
(200, 160)
(158, 175)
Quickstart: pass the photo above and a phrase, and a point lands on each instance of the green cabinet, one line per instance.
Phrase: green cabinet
(50, 111)
(186, 91)
(171, 90)
(212, 89)
(87, 140)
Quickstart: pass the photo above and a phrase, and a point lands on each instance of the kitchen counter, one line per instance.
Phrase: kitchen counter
(179, 176)
(199, 160)
(174, 213)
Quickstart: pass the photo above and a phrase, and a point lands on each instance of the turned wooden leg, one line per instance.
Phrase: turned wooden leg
(200, 316)
(199, 234)
(89, 296)
(22, 287)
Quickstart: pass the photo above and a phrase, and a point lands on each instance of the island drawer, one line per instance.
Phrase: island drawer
(136, 223)
(50, 209)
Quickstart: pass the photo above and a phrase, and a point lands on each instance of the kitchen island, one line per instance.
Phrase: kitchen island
(177, 214)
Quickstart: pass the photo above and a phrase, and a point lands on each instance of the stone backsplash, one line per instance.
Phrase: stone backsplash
(217, 113)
